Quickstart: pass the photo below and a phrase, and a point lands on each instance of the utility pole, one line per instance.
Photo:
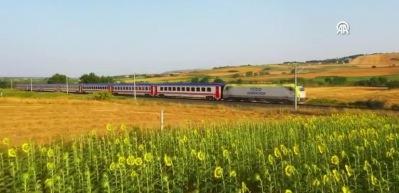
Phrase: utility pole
(11, 84)
(31, 85)
(161, 119)
(295, 87)
(67, 85)
(134, 85)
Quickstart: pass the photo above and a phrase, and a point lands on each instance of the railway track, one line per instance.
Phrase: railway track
(257, 104)
(249, 103)
(265, 104)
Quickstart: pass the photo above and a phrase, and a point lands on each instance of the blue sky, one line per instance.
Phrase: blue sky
(40, 38)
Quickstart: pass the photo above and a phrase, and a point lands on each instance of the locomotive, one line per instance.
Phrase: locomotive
(278, 93)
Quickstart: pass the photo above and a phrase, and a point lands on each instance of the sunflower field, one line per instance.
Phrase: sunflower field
(340, 153)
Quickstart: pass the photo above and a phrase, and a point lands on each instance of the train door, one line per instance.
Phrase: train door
(110, 88)
(153, 90)
(218, 92)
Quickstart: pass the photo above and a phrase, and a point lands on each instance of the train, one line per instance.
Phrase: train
(273, 93)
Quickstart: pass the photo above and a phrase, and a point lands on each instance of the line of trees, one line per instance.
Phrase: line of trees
(206, 79)
(93, 78)
(85, 78)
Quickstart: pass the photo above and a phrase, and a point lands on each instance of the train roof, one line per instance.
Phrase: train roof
(262, 85)
(189, 84)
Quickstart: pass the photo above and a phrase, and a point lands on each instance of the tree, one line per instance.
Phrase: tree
(4, 84)
(57, 79)
(93, 78)
(195, 80)
(218, 80)
(204, 79)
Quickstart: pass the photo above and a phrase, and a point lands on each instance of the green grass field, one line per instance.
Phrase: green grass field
(342, 153)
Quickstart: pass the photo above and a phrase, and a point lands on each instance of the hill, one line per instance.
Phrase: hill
(353, 68)
(379, 60)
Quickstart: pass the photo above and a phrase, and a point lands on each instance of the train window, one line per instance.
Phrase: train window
(183, 88)
(169, 88)
(178, 88)
(198, 89)
(174, 88)
(192, 89)
(161, 88)
(208, 89)
(203, 89)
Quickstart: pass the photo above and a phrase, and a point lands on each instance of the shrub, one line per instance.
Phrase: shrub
(195, 79)
(236, 75)
(395, 107)
(335, 80)
(102, 95)
(373, 104)
(393, 84)
(324, 102)
(249, 73)
(218, 80)
(373, 81)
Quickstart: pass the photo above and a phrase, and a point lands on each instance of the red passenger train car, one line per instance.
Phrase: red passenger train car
(207, 91)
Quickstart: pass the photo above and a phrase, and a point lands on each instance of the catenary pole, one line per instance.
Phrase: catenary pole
(67, 84)
(134, 85)
(295, 88)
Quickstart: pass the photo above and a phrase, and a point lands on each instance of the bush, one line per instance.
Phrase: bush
(395, 107)
(236, 75)
(102, 95)
(373, 104)
(393, 84)
(218, 80)
(373, 81)
(324, 102)
(264, 73)
(249, 73)
(335, 80)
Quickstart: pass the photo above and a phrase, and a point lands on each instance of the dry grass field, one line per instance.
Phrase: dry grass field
(350, 94)
(363, 66)
(41, 119)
